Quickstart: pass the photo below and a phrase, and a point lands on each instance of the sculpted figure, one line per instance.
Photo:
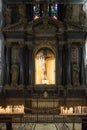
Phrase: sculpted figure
(82, 15)
(14, 74)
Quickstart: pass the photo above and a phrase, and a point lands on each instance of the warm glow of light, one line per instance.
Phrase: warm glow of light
(73, 110)
(54, 17)
(12, 109)
(45, 68)
(36, 17)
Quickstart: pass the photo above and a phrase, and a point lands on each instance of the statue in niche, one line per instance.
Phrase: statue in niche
(14, 74)
(82, 15)
(22, 12)
(75, 74)
(8, 15)
(69, 11)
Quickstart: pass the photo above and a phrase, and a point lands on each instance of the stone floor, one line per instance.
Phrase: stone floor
(42, 126)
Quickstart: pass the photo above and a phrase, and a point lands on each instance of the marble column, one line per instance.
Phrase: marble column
(68, 64)
(60, 56)
(82, 66)
(8, 64)
(64, 65)
(26, 66)
(21, 64)
(31, 74)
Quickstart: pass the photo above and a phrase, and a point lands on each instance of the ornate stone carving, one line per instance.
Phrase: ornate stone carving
(82, 15)
(75, 74)
(45, 27)
(14, 74)
(8, 15)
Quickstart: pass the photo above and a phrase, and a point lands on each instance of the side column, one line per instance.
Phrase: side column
(21, 64)
(68, 64)
(82, 66)
(60, 63)
(8, 64)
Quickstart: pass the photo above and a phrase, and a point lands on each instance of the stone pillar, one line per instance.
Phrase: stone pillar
(68, 64)
(30, 66)
(75, 64)
(21, 64)
(64, 65)
(60, 56)
(8, 64)
(82, 66)
(15, 66)
(27, 66)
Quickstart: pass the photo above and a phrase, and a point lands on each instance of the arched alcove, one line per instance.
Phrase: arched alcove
(44, 66)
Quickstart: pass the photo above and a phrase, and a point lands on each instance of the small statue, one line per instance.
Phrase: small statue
(75, 74)
(8, 15)
(82, 15)
(69, 11)
(15, 74)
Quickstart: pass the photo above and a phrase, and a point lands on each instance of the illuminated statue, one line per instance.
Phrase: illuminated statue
(42, 59)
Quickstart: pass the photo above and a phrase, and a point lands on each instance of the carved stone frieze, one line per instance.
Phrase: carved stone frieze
(45, 42)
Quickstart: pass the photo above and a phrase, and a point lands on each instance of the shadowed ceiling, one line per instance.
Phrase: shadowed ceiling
(58, 1)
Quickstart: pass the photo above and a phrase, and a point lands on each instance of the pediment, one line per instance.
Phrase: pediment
(17, 27)
(44, 25)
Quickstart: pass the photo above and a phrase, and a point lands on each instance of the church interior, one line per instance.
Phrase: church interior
(43, 64)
